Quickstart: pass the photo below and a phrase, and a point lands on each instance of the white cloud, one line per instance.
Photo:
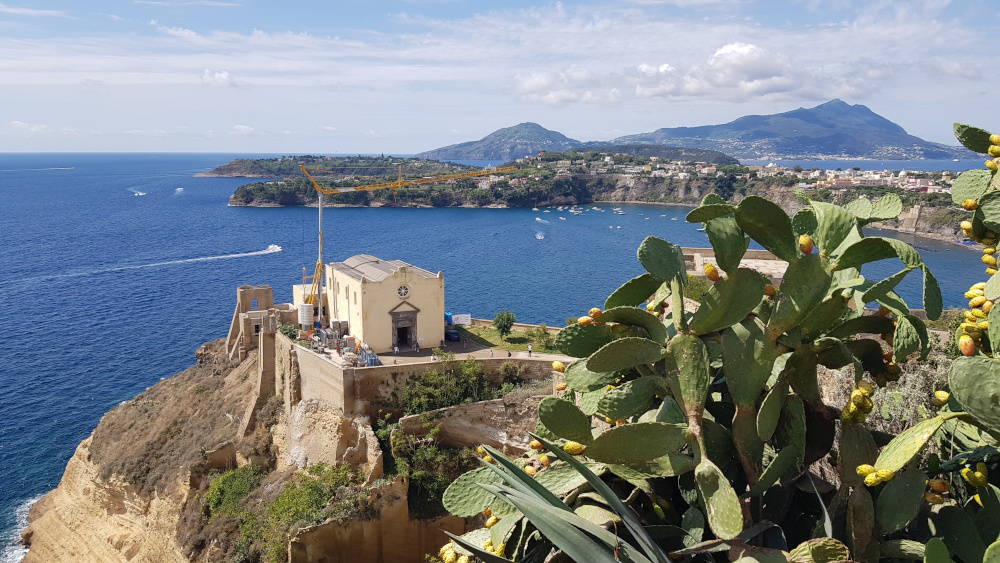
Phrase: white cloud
(31, 12)
(218, 78)
(28, 127)
(242, 130)
(168, 4)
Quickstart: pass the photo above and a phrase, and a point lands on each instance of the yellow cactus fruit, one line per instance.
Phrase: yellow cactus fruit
(488, 546)
(979, 314)
(536, 445)
(488, 512)
(973, 293)
(974, 478)
(992, 165)
(450, 557)
(970, 204)
(481, 450)
(650, 306)
(977, 301)
(573, 448)
(867, 388)
(561, 386)
(872, 480)
(492, 521)
(994, 151)
(938, 485)
(933, 498)
(544, 459)
(989, 260)
(983, 325)
(711, 272)
(969, 316)
(489, 459)
(450, 546)
(559, 366)
(595, 312)
(995, 139)
(987, 306)
(967, 345)
(584, 321)
(530, 470)
(769, 290)
(806, 244)
(940, 398)
(463, 559)
(500, 549)
(885, 474)
(858, 396)
(865, 470)
(980, 285)
(609, 387)
(990, 250)
(966, 225)
(991, 271)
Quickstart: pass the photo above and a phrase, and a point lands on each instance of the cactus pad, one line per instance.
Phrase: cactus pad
(807, 281)
(728, 301)
(958, 531)
(637, 317)
(833, 225)
(662, 259)
(769, 225)
(857, 447)
(749, 356)
(634, 291)
(670, 465)
(886, 207)
(728, 242)
(581, 341)
(820, 550)
(794, 421)
(722, 506)
(902, 549)
(935, 551)
(693, 523)
(579, 378)
(900, 500)
(633, 398)
(860, 519)
(634, 443)
(708, 212)
(625, 353)
(975, 384)
(897, 453)
(972, 138)
(770, 411)
(561, 478)
(590, 403)
(565, 420)
(688, 374)
(465, 498)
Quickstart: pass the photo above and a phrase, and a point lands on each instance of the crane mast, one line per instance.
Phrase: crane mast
(317, 277)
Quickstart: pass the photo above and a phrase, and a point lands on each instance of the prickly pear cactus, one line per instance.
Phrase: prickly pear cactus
(704, 426)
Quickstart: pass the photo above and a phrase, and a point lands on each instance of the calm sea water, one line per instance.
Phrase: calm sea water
(116, 267)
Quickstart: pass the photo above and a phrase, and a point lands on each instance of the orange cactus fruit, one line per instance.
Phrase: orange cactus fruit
(987, 306)
(977, 301)
(584, 321)
(769, 290)
(806, 244)
(545, 460)
(595, 312)
(967, 345)
(536, 445)
(938, 485)
(711, 272)
(561, 386)
(933, 498)
(530, 470)
(559, 366)
(970, 204)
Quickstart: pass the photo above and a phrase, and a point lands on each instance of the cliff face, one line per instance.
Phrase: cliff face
(88, 518)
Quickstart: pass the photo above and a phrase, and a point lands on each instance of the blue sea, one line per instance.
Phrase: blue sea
(116, 267)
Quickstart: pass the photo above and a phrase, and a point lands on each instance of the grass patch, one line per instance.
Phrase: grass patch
(455, 383)
(489, 337)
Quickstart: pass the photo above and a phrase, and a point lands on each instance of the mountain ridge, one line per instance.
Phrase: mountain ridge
(834, 129)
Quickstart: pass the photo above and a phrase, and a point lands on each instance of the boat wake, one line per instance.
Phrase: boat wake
(542, 221)
(271, 249)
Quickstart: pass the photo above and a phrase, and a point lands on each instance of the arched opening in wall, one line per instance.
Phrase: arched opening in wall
(253, 304)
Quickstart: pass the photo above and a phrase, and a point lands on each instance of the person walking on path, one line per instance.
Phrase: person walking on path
(529, 350)
(491, 352)
(465, 342)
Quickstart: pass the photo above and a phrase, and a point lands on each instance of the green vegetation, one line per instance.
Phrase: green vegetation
(489, 337)
(227, 490)
(455, 383)
(430, 469)
(504, 322)
(716, 414)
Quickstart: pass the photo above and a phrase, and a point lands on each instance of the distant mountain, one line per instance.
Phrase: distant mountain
(833, 129)
(665, 152)
(506, 144)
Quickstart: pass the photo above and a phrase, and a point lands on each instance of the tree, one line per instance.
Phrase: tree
(503, 322)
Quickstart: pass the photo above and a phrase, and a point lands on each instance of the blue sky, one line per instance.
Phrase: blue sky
(405, 76)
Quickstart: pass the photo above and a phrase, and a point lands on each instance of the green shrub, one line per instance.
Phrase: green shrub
(456, 383)
(227, 490)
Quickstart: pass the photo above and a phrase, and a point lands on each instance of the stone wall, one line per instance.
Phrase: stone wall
(502, 425)
(320, 379)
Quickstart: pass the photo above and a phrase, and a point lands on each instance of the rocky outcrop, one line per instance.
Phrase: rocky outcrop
(88, 518)
(497, 423)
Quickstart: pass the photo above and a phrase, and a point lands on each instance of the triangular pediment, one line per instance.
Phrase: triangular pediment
(404, 307)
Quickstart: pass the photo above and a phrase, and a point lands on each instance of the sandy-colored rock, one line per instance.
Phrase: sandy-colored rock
(496, 423)
(88, 519)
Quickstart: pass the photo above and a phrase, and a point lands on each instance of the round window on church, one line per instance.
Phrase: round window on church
(403, 291)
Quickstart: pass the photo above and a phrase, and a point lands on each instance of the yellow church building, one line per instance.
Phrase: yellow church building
(386, 303)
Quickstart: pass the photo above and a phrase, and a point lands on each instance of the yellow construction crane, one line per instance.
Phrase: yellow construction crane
(317, 277)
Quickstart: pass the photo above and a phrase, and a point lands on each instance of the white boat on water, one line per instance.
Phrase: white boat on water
(139, 193)
(534, 209)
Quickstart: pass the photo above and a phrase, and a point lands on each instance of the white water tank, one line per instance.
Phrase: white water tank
(305, 314)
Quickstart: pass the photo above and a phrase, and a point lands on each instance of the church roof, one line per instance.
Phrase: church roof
(365, 267)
